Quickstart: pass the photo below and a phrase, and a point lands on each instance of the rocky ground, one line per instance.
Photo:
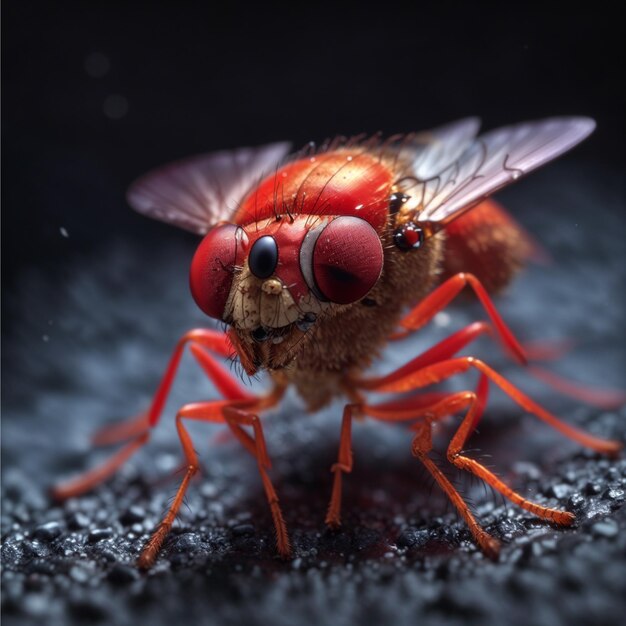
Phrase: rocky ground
(86, 341)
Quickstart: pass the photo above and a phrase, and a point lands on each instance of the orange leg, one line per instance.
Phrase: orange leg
(435, 366)
(430, 407)
(344, 464)
(437, 372)
(441, 297)
(210, 412)
(219, 411)
(422, 445)
(456, 457)
(399, 410)
(138, 427)
(444, 349)
(236, 418)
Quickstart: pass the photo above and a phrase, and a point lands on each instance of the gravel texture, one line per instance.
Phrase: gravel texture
(86, 342)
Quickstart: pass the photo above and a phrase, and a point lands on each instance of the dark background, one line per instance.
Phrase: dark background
(202, 76)
(94, 297)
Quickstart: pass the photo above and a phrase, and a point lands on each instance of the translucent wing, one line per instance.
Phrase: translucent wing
(201, 191)
(492, 161)
(436, 149)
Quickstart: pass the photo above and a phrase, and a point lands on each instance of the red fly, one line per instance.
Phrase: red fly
(316, 261)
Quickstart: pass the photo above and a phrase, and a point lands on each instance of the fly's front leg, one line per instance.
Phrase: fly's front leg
(343, 464)
(457, 457)
(428, 412)
(232, 412)
(137, 429)
(236, 418)
(427, 409)
(393, 411)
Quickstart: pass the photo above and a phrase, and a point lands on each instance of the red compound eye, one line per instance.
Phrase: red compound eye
(213, 266)
(347, 259)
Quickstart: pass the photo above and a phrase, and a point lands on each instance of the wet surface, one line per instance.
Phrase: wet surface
(85, 344)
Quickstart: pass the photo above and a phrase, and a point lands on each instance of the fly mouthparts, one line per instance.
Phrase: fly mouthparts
(306, 321)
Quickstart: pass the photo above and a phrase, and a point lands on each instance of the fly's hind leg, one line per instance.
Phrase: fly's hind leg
(415, 375)
(428, 414)
(445, 293)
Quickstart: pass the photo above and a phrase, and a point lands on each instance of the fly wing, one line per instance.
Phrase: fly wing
(435, 150)
(492, 161)
(201, 191)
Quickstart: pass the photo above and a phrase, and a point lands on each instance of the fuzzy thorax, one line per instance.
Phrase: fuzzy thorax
(343, 339)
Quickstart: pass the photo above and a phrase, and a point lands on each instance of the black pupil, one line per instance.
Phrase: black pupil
(263, 257)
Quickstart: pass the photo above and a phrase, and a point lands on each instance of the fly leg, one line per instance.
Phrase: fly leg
(422, 445)
(456, 457)
(426, 408)
(441, 297)
(428, 414)
(137, 429)
(445, 349)
(219, 411)
(409, 378)
(343, 465)
(344, 461)
(236, 418)
(425, 370)
(206, 412)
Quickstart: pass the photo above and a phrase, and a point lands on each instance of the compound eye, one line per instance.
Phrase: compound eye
(213, 266)
(347, 259)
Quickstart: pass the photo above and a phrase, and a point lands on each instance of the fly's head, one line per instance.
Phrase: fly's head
(277, 281)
